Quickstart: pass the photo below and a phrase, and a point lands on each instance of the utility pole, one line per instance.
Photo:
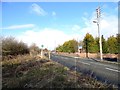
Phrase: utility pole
(98, 24)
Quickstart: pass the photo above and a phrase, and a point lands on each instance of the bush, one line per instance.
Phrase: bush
(10, 46)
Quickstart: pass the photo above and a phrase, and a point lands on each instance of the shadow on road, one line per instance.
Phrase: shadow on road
(111, 59)
(106, 59)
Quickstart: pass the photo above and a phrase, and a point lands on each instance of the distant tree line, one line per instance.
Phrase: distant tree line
(68, 46)
(91, 44)
(10, 46)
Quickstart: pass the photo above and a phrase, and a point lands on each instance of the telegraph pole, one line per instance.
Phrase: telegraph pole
(98, 24)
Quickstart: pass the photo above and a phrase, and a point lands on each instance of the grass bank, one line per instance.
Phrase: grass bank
(33, 72)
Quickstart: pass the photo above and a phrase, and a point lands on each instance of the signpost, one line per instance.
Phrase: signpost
(49, 54)
(42, 51)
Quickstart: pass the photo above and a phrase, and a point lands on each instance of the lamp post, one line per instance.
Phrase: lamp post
(98, 24)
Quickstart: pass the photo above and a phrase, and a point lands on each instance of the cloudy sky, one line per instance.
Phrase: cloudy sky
(51, 24)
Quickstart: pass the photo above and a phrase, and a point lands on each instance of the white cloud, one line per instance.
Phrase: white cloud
(19, 26)
(76, 28)
(50, 38)
(35, 8)
(108, 26)
(53, 13)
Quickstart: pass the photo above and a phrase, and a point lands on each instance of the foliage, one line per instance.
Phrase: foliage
(10, 46)
(97, 44)
(112, 44)
(118, 43)
(60, 48)
(108, 46)
(89, 43)
(70, 46)
(104, 45)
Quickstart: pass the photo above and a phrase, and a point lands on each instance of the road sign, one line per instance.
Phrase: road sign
(42, 46)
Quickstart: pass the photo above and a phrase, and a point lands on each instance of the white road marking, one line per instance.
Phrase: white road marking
(102, 64)
(99, 64)
(84, 63)
(76, 57)
(65, 58)
(112, 69)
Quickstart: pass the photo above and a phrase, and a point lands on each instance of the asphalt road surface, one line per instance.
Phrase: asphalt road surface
(106, 72)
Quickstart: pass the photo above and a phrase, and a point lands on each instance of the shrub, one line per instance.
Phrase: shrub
(10, 46)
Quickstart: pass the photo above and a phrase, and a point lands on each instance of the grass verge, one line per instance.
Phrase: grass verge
(33, 72)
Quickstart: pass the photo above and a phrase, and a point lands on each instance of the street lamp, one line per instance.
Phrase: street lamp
(98, 24)
(95, 21)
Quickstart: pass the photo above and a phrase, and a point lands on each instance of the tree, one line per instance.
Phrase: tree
(89, 43)
(112, 44)
(68, 46)
(60, 48)
(118, 43)
(104, 45)
(97, 45)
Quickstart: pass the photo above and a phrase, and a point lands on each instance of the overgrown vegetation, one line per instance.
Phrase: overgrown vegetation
(43, 73)
(10, 46)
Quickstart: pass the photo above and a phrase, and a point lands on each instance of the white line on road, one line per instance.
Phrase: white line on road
(99, 64)
(103, 65)
(84, 63)
(76, 57)
(66, 58)
(112, 69)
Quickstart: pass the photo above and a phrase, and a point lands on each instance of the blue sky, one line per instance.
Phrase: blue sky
(56, 22)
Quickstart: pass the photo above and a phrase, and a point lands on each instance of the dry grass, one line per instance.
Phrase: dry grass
(33, 72)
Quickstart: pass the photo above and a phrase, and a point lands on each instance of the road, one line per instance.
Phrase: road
(105, 72)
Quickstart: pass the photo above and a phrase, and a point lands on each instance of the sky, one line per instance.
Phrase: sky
(52, 23)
